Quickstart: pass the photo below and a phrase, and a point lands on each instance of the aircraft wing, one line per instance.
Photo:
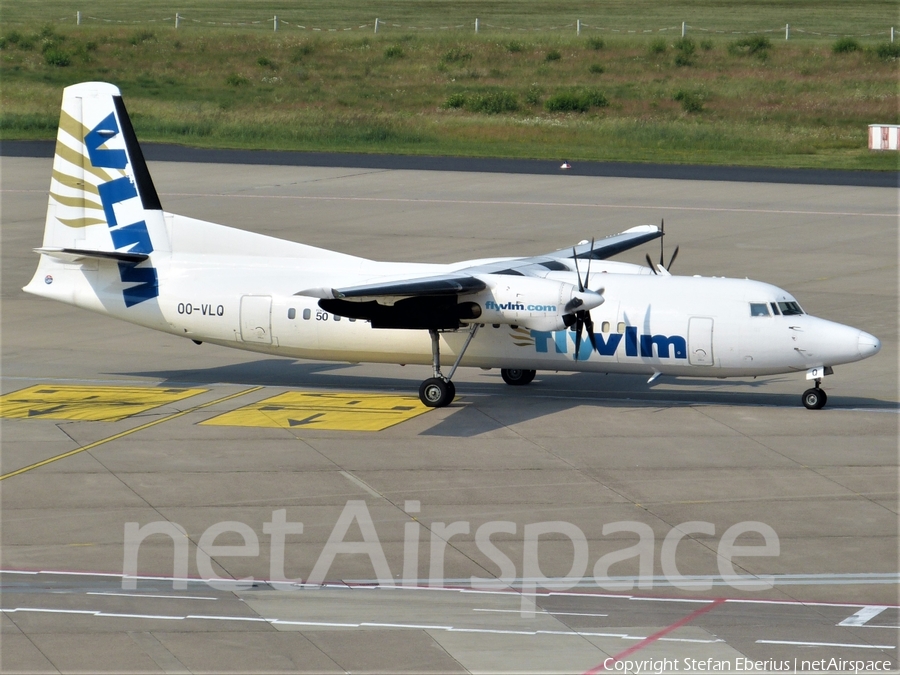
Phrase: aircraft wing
(557, 260)
(464, 282)
(439, 302)
(443, 285)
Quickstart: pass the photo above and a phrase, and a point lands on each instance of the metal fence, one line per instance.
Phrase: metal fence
(476, 25)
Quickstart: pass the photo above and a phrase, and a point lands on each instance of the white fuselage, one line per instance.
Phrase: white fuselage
(672, 325)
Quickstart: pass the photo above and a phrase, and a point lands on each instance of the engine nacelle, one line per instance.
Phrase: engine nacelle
(536, 303)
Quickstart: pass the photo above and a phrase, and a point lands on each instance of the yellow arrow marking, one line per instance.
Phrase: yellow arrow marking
(314, 410)
(91, 446)
(88, 403)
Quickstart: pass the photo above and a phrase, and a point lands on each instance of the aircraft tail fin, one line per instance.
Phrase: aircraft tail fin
(101, 195)
(102, 204)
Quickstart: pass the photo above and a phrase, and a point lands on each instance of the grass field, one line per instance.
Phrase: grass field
(717, 98)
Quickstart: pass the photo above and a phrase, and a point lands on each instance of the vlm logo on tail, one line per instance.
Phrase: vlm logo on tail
(128, 237)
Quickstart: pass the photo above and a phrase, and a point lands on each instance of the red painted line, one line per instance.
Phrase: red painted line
(656, 636)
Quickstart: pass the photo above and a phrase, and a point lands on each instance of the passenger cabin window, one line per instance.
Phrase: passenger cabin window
(621, 327)
(759, 309)
(604, 328)
(292, 313)
(306, 314)
(790, 308)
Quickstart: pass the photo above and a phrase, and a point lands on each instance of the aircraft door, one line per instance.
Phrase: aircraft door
(700, 342)
(256, 319)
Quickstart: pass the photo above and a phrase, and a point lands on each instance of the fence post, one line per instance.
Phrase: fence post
(376, 25)
(78, 18)
(787, 31)
(683, 29)
(578, 27)
(177, 20)
(476, 25)
(892, 33)
(275, 23)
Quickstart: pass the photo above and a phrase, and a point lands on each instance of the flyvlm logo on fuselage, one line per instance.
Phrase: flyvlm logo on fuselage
(646, 346)
(518, 307)
(130, 238)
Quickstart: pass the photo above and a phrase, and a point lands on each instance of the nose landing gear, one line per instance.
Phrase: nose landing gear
(815, 398)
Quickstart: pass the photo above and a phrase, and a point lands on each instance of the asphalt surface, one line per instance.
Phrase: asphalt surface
(175, 153)
(585, 453)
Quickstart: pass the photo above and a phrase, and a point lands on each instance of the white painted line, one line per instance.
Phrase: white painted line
(822, 644)
(554, 205)
(287, 622)
(863, 615)
(50, 611)
(361, 484)
(139, 616)
(405, 625)
(491, 631)
(519, 611)
(706, 602)
(226, 618)
(17, 572)
(147, 595)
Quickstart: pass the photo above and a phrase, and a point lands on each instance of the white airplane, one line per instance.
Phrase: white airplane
(109, 247)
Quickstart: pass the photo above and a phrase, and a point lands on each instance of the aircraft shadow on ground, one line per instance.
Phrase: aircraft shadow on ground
(489, 405)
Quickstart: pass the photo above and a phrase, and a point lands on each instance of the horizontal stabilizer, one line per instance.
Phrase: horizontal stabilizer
(72, 255)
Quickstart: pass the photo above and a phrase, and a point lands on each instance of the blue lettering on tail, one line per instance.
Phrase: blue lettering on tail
(147, 283)
(133, 237)
(101, 157)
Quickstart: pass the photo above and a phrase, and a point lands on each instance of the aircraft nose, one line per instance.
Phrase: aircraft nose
(869, 345)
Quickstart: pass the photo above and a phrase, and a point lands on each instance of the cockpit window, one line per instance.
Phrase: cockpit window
(789, 308)
(759, 309)
(775, 308)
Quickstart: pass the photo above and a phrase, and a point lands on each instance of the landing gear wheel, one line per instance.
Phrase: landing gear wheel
(814, 399)
(516, 376)
(436, 393)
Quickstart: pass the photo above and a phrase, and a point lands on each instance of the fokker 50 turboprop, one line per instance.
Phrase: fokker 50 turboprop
(109, 247)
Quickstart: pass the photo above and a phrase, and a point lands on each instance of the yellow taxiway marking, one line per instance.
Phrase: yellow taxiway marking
(91, 446)
(315, 410)
(88, 403)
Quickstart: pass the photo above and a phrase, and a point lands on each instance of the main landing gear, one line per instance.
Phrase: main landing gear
(815, 398)
(439, 391)
(516, 376)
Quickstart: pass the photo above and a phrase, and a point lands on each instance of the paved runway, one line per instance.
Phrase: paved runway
(597, 460)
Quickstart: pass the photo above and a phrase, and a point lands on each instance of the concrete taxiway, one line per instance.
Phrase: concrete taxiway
(108, 428)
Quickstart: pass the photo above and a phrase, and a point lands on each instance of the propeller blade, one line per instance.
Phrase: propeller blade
(579, 324)
(662, 228)
(577, 272)
(587, 275)
(674, 255)
(589, 324)
(573, 304)
(651, 265)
